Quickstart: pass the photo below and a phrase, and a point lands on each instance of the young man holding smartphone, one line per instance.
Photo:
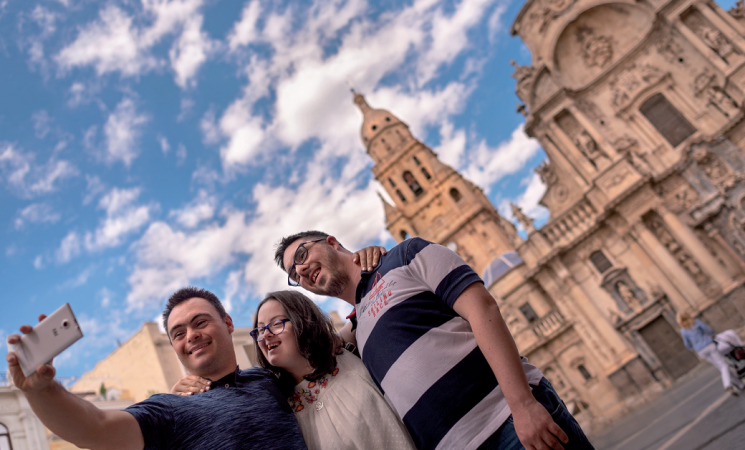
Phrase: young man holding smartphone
(244, 408)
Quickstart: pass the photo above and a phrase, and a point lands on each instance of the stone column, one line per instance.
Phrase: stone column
(31, 426)
(689, 240)
(590, 128)
(579, 160)
(685, 286)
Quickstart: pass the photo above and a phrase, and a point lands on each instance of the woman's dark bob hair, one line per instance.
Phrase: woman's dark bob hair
(316, 337)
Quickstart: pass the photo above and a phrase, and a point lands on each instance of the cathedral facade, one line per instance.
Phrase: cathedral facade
(638, 106)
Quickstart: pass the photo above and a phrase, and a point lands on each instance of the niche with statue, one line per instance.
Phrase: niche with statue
(628, 296)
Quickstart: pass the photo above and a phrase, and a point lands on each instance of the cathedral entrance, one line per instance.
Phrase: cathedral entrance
(667, 344)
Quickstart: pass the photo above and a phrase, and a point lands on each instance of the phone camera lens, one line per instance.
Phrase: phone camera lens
(65, 324)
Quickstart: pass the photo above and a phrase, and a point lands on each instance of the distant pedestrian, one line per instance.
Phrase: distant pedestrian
(697, 336)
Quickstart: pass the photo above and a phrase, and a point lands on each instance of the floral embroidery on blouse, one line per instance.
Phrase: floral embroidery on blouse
(309, 394)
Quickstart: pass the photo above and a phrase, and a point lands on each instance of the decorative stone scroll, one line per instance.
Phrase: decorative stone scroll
(712, 166)
(716, 41)
(655, 224)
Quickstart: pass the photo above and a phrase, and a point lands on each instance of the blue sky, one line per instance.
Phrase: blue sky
(150, 144)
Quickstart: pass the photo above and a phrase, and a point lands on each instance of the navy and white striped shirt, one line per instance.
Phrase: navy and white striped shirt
(422, 354)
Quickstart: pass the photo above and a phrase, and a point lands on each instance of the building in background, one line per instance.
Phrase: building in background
(20, 429)
(637, 105)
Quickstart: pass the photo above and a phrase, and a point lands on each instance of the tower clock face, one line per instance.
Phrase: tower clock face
(452, 246)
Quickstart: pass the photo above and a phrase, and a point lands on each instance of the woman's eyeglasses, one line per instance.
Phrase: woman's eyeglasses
(276, 327)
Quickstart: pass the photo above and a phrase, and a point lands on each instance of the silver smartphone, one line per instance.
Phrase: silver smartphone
(48, 339)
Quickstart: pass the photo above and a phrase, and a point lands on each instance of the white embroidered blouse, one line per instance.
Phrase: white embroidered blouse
(345, 410)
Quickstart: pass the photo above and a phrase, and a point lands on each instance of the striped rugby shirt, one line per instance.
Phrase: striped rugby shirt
(422, 354)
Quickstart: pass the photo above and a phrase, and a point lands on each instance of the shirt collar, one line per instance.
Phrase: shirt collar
(226, 381)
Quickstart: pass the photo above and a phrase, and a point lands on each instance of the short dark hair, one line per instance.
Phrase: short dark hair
(279, 251)
(187, 293)
(316, 337)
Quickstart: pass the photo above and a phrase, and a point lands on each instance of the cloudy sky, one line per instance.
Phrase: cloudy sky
(150, 144)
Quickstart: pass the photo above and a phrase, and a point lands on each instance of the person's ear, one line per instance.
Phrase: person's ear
(333, 243)
(229, 323)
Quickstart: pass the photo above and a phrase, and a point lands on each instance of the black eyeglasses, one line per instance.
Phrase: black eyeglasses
(301, 254)
(276, 327)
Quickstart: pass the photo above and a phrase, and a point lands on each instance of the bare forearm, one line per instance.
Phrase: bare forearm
(81, 423)
(499, 349)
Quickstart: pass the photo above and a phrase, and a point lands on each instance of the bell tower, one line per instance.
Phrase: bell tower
(431, 200)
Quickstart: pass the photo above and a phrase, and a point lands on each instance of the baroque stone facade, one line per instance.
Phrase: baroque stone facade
(20, 429)
(638, 106)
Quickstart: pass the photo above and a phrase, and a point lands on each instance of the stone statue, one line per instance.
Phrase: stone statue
(524, 77)
(587, 145)
(524, 220)
(614, 317)
(738, 11)
(547, 174)
(716, 41)
(722, 101)
(628, 296)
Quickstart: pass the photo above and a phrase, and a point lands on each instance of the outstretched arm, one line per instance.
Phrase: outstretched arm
(533, 424)
(69, 417)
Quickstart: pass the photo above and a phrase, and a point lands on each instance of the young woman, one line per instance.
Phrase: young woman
(335, 400)
(698, 337)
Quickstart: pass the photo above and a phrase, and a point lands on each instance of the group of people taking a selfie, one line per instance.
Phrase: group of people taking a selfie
(426, 362)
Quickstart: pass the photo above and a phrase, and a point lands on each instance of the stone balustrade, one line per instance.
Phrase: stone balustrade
(577, 219)
(548, 324)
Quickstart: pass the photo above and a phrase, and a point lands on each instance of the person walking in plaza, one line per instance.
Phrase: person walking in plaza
(435, 343)
(699, 337)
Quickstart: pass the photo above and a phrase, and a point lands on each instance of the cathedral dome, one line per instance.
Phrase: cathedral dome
(374, 120)
(499, 266)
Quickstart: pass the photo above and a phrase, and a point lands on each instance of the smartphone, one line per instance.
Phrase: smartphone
(48, 339)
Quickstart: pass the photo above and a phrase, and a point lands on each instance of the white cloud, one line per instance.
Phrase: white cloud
(122, 131)
(486, 165)
(123, 217)
(94, 187)
(120, 42)
(309, 84)
(69, 247)
(36, 213)
(105, 296)
(39, 262)
(41, 121)
(245, 30)
(197, 211)
(164, 145)
(190, 52)
(28, 179)
(181, 154)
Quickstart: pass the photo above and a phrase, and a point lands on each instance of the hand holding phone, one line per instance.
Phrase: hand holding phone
(52, 335)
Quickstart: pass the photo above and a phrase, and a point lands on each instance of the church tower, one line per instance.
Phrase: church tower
(431, 200)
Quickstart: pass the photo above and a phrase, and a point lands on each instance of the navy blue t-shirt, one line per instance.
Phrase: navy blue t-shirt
(240, 411)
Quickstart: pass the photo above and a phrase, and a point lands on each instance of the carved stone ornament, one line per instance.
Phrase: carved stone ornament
(524, 220)
(713, 168)
(722, 101)
(703, 81)
(547, 174)
(524, 76)
(596, 50)
(628, 296)
(624, 143)
(547, 11)
(667, 47)
(587, 145)
(629, 82)
(681, 201)
(738, 11)
(716, 41)
(590, 109)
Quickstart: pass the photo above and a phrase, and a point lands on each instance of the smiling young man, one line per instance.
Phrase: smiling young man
(244, 408)
(434, 341)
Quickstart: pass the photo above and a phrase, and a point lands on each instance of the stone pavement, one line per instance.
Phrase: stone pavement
(694, 414)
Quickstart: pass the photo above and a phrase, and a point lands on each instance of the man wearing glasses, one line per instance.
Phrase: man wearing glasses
(434, 341)
(243, 408)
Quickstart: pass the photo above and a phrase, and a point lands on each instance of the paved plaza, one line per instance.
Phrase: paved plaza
(694, 414)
